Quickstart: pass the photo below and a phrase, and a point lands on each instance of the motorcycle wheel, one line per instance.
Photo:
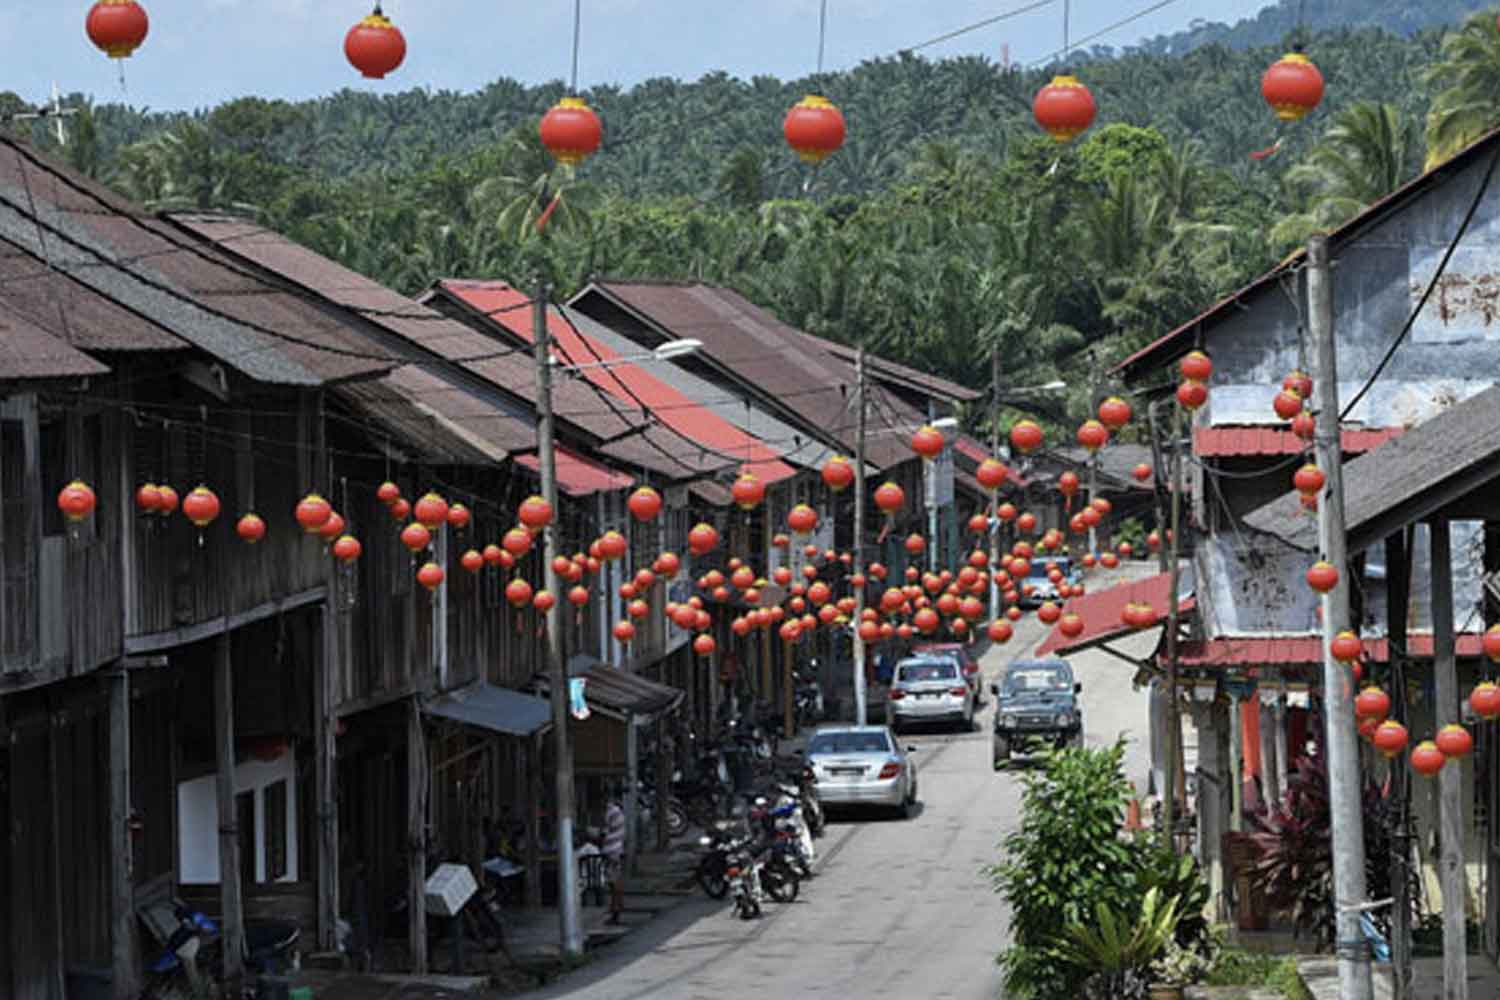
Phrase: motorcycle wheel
(781, 883)
(677, 818)
(714, 883)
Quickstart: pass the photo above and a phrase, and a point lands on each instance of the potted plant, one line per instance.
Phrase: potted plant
(1175, 968)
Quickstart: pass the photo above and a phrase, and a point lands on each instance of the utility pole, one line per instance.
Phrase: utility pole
(994, 495)
(1343, 748)
(1173, 546)
(859, 534)
(567, 870)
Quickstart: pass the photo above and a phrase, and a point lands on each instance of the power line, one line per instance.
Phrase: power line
(1102, 32)
(984, 23)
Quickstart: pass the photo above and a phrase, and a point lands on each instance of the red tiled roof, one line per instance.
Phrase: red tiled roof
(1101, 612)
(625, 381)
(578, 476)
(1234, 442)
(1250, 651)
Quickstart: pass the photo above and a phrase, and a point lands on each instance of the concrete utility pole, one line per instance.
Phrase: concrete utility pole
(995, 495)
(1338, 704)
(567, 867)
(1450, 779)
(1173, 545)
(859, 534)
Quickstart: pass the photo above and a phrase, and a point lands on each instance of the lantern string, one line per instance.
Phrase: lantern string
(1067, 10)
(577, 28)
(822, 33)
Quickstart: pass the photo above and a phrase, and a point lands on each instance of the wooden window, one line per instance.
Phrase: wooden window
(275, 831)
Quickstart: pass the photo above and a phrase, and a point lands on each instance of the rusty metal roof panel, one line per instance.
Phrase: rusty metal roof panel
(29, 352)
(1238, 442)
(903, 375)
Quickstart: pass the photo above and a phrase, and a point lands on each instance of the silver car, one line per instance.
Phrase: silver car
(929, 689)
(862, 766)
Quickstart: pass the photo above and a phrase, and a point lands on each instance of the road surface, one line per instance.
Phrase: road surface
(900, 908)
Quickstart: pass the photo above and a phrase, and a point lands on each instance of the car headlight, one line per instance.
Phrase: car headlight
(1008, 722)
(1064, 719)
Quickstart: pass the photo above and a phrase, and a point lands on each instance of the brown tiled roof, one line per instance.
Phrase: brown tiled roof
(27, 351)
(148, 266)
(1403, 480)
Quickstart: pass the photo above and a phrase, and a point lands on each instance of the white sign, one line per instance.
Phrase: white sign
(448, 889)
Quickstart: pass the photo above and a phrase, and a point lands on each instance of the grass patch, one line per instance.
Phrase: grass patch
(1243, 968)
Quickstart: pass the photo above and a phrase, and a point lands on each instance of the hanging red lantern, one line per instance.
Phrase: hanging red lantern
(1125, 549)
(1309, 480)
(117, 27)
(928, 442)
(1322, 576)
(1372, 703)
(869, 631)
(748, 491)
(1071, 625)
(1426, 759)
(534, 513)
(612, 546)
(979, 559)
(578, 596)
(781, 540)
(1068, 483)
(1454, 741)
(472, 561)
(333, 527)
(667, 564)
(251, 528)
(838, 473)
(347, 549)
(704, 645)
(1025, 436)
(979, 524)
(1093, 435)
(166, 500)
(644, 580)
(1142, 472)
(1006, 512)
(1485, 700)
(148, 498)
(543, 601)
(915, 544)
(1064, 108)
(890, 498)
(1346, 647)
(743, 577)
(313, 512)
(1000, 632)
(571, 131)
(1300, 382)
(1196, 366)
(1026, 523)
(814, 128)
(416, 538)
(802, 519)
(1109, 560)
(926, 621)
(1191, 394)
(517, 541)
(400, 509)
(1114, 413)
(991, 474)
(458, 517)
(624, 632)
(375, 46)
(430, 576)
(76, 500)
(201, 506)
(1304, 426)
(388, 493)
(947, 605)
(644, 504)
(1048, 612)
(1287, 404)
(819, 593)
(1389, 738)
(431, 511)
(1292, 86)
(518, 592)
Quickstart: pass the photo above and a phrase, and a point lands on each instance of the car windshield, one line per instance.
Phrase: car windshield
(1034, 680)
(848, 741)
(928, 670)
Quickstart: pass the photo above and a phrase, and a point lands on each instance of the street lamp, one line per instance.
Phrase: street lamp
(567, 873)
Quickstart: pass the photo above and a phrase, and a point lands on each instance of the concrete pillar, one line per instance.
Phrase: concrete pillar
(1270, 752)
(1213, 783)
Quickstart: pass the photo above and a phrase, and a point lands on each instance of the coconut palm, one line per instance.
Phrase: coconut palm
(1468, 105)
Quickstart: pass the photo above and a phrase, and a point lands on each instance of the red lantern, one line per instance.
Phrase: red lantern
(915, 544)
(947, 605)
(416, 538)
(991, 474)
(166, 501)
(748, 491)
(347, 549)
(518, 593)
(624, 632)
(644, 580)
(740, 627)
(1071, 625)
(1304, 426)
(1000, 632)
(400, 508)
(1191, 394)
(869, 631)
(1093, 435)
(201, 506)
(667, 564)
(375, 46)
(1049, 613)
(838, 473)
(430, 576)
(1064, 108)
(1196, 367)
(1026, 523)
(1300, 382)
(1372, 703)
(1485, 700)
(814, 128)
(1109, 560)
(1141, 472)
(543, 601)
(1454, 741)
(431, 511)
(76, 500)
(1114, 413)
(1068, 483)
(1013, 613)
(802, 519)
(1322, 576)
(644, 504)
(1308, 480)
(1345, 647)
(1292, 86)
(517, 541)
(1125, 549)
(928, 442)
(1389, 738)
(388, 493)
(890, 498)
(313, 512)
(1491, 642)
(578, 596)
(333, 527)
(535, 513)
(251, 528)
(1025, 436)
(572, 133)
(704, 645)
(117, 27)
(612, 546)
(979, 524)
(458, 517)
(472, 561)
(1287, 404)
(1426, 759)
(926, 621)
(148, 498)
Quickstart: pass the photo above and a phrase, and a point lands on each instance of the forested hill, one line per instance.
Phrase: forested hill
(1279, 21)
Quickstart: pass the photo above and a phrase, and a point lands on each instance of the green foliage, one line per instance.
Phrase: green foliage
(1232, 967)
(1113, 953)
(1467, 79)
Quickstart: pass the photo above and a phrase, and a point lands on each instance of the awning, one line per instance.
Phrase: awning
(497, 709)
(1303, 650)
(1100, 612)
(621, 693)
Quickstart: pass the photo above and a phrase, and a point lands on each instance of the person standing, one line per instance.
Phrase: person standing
(614, 855)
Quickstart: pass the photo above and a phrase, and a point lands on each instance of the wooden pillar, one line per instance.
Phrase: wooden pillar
(1450, 779)
(416, 837)
(1213, 800)
(123, 949)
(629, 797)
(663, 783)
(233, 922)
(1398, 548)
(326, 671)
(533, 801)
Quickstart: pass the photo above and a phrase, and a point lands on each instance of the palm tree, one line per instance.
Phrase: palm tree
(1468, 106)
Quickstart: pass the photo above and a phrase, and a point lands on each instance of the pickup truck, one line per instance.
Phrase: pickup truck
(1036, 706)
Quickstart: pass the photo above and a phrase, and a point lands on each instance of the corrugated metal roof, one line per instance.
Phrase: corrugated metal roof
(1101, 613)
(148, 266)
(447, 428)
(27, 351)
(626, 382)
(497, 709)
(578, 476)
(1404, 478)
(899, 374)
(1239, 442)
(618, 691)
(1300, 650)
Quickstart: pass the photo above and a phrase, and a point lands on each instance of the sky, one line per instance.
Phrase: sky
(203, 52)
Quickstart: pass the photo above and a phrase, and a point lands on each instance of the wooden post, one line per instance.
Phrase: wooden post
(326, 669)
(630, 796)
(233, 917)
(1236, 766)
(123, 950)
(1450, 779)
(416, 834)
(1398, 607)
(663, 783)
(1270, 788)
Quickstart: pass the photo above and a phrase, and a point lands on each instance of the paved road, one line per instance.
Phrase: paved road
(900, 908)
